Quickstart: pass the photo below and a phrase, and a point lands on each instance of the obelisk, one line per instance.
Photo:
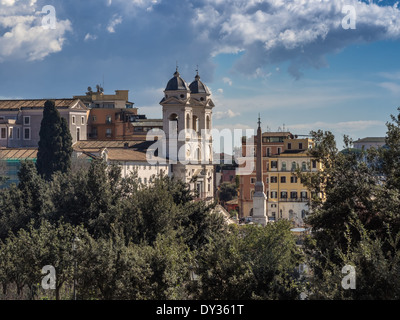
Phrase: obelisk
(259, 197)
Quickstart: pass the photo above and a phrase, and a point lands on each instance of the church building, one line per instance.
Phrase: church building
(187, 123)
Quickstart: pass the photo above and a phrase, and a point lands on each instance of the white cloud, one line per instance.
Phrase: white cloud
(300, 31)
(220, 90)
(225, 114)
(25, 37)
(227, 80)
(116, 20)
(390, 75)
(132, 5)
(394, 84)
(89, 37)
(260, 73)
(267, 32)
(392, 87)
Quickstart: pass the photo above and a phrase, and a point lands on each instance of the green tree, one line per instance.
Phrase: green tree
(28, 251)
(227, 191)
(357, 222)
(55, 144)
(3, 172)
(14, 215)
(54, 244)
(342, 191)
(108, 269)
(250, 262)
(21, 258)
(170, 260)
(20, 204)
(136, 242)
(86, 197)
(35, 191)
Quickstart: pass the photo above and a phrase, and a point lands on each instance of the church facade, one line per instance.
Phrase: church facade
(187, 122)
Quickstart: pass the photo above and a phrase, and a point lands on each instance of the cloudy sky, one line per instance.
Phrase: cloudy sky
(302, 64)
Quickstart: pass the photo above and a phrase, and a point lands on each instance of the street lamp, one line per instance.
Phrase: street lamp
(74, 247)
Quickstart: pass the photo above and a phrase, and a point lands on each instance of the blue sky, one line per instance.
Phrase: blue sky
(291, 61)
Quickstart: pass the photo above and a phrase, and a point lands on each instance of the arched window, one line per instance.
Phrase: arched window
(195, 126)
(173, 123)
(283, 166)
(208, 123)
(198, 154)
(294, 166)
(304, 166)
(188, 121)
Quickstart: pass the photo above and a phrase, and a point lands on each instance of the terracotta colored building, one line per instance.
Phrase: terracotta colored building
(113, 117)
(110, 124)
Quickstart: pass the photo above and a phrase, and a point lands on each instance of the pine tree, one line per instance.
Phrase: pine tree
(55, 145)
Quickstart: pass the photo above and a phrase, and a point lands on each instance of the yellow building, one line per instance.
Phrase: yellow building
(288, 198)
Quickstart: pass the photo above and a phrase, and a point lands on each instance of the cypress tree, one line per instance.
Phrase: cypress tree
(55, 144)
(66, 151)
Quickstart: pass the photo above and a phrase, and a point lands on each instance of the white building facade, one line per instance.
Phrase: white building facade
(187, 123)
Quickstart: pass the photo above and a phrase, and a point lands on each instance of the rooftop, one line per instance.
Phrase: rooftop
(99, 95)
(148, 122)
(198, 87)
(18, 153)
(130, 144)
(372, 139)
(121, 154)
(276, 134)
(176, 83)
(39, 103)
